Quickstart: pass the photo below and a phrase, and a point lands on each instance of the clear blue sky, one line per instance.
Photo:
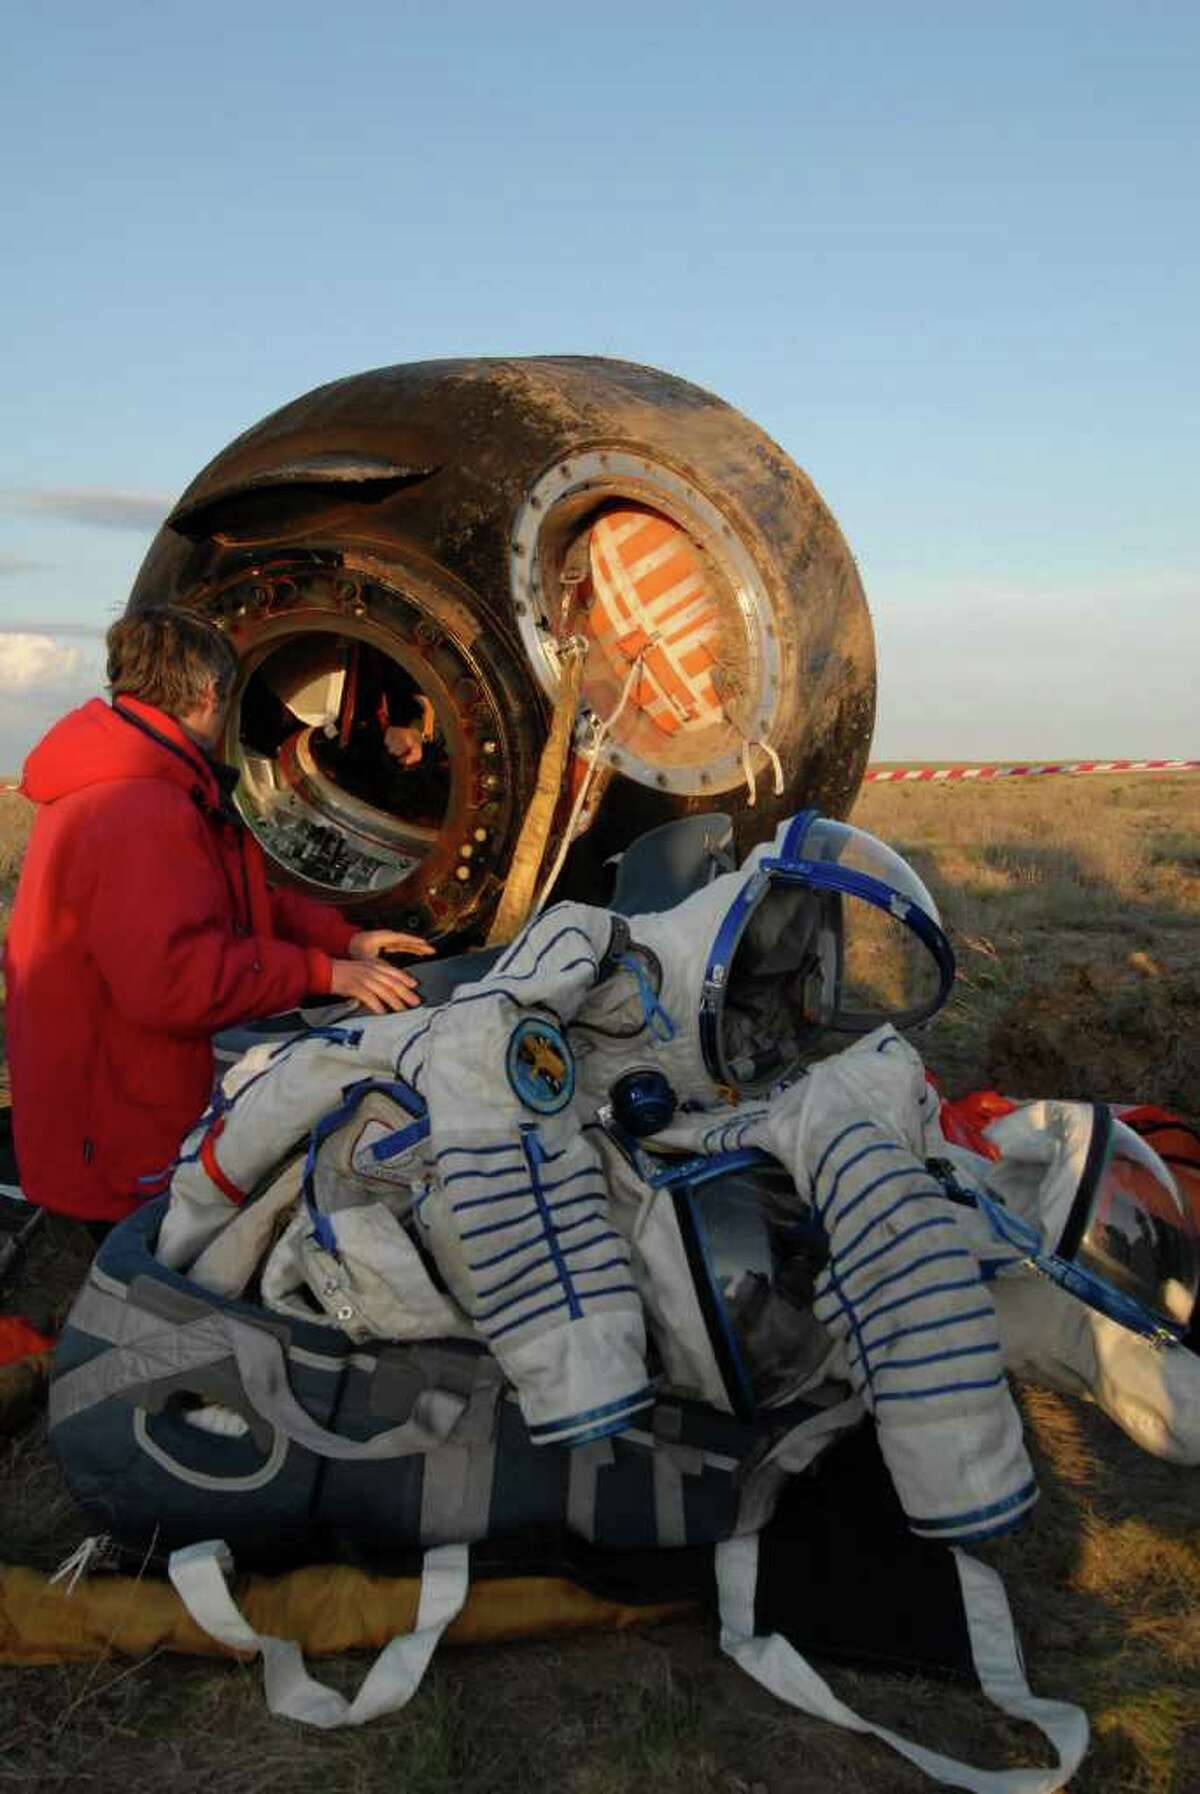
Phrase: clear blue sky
(946, 254)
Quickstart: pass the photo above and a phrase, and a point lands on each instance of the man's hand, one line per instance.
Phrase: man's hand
(404, 744)
(378, 987)
(372, 943)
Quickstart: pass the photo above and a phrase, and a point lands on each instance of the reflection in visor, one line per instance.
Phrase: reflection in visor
(754, 1260)
(1137, 1236)
(810, 963)
(830, 934)
(886, 974)
(784, 961)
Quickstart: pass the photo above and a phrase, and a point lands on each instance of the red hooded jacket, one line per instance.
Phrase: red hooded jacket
(142, 924)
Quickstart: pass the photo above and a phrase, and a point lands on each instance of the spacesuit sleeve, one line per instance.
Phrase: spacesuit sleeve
(519, 1220)
(902, 1291)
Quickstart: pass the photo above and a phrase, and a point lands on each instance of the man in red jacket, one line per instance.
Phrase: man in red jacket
(143, 924)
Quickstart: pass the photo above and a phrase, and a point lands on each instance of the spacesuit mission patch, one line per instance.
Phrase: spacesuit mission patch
(540, 1065)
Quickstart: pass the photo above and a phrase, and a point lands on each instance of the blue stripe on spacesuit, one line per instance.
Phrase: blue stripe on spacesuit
(918, 1195)
(851, 1314)
(602, 1429)
(625, 1404)
(523, 1319)
(409, 1044)
(918, 1264)
(485, 1264)
(533, 1214)
(480, 1315)
(503, 979)
(918, 1395)
(478, 1152)
(501, 970)
(558, 1183)
(1000, 1513)
(616, 1289)
(531, 1146)
(503, 1171)
(848, 1271)
(606, 1233)
(859, 1316)
(854, 1127)
(855, 1159)
(966, 1351)
(718, 1139)
(527, 936)
(395, 1143)
(953, 1320)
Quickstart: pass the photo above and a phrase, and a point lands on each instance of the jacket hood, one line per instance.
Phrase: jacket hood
(96, 745)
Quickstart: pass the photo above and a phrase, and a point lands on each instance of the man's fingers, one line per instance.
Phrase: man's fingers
(377, 986)
(406, 943)
(394, 987)
(374, 941)
(393, 975)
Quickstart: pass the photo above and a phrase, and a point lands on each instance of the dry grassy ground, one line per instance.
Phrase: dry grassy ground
(1073, 908)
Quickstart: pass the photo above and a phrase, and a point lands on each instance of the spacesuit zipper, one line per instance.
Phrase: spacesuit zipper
(535, 1158)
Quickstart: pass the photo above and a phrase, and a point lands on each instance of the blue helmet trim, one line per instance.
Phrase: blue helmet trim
(721, 1337)
(798, 828)
(819, 875)
(701, 1169)
(1084, 1285)
(716, 970)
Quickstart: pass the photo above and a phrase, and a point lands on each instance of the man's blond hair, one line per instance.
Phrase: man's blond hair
(169, 657)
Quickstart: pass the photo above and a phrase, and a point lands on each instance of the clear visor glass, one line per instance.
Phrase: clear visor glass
(762, 1260)
(1139, 1236)
(811, 962)
(886, 972)
(772, 1001)
(840, 843)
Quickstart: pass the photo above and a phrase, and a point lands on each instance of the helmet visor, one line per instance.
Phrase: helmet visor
(755, 1259)
(838, 940)
(1137, 1235)
(886, 971)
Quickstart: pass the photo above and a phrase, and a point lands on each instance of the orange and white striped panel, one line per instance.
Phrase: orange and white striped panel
(650, 596)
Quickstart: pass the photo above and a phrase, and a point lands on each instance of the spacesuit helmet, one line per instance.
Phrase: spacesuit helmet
(1097, 1210)
(831, 935)
(726, 1260)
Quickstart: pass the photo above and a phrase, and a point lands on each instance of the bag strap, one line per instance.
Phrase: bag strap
(199, 1574)
(779, 1667)
(154, 1353)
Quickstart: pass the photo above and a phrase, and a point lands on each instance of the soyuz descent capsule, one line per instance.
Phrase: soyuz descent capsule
(422, 548)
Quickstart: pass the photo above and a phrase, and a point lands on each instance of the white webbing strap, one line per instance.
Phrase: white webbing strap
(198, 1573)
(748, 743)
(774, 1663)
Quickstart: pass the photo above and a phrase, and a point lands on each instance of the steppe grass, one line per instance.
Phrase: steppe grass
(1072, 906)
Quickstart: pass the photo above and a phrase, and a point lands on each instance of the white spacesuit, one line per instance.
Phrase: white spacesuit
(512, 1166)
(688, 1153)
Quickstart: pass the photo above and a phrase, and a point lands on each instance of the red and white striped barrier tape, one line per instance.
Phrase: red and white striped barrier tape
(940, 775)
